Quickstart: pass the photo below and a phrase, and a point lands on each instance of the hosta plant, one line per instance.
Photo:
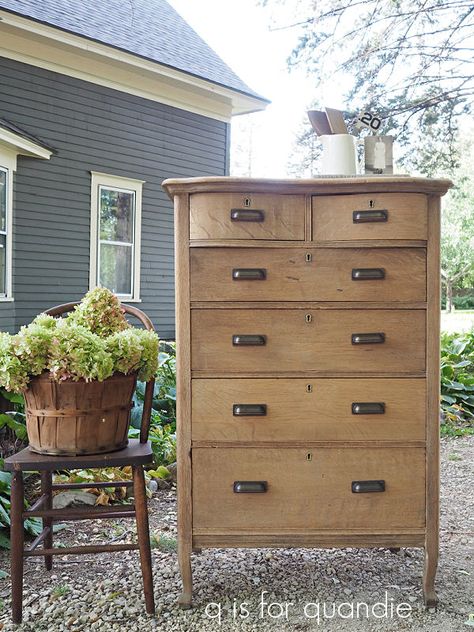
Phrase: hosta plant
(91, 343)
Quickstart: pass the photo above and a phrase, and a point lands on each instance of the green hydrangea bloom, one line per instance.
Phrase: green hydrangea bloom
(134, 350)
(78, 353)
(13, 372)
(101, 312)
(92, 343)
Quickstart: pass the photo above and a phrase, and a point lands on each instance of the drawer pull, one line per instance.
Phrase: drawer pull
(368, 339)
(249, 274)
(250, 487)
(249, 410)
(364, 487)
(368, 408)
(364, 217)
(367, 274)
(246, 215)
(249, 340)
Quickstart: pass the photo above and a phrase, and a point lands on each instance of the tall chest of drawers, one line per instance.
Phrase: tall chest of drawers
(308, 364)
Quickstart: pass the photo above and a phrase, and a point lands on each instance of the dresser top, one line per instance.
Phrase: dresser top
(315, 186)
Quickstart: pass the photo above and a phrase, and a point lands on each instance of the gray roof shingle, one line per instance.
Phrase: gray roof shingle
(151, 29)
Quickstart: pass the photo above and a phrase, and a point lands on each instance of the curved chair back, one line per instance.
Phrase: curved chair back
(59, 310)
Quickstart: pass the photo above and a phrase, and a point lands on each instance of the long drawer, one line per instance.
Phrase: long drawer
(370, 216)
(296, 409)
(325, 274)
(327, 341)
(247, 216)
(294, 488)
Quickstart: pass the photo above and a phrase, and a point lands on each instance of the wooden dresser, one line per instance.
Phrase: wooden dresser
(308, 364)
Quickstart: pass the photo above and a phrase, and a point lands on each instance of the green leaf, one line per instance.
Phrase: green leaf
(4, 540)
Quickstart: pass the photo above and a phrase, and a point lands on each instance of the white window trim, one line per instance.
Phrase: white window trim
(128, 184)
(12, 145)
(8, 164)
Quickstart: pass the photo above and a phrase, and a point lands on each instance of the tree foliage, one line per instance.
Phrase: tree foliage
(457, 235)
(411, 61)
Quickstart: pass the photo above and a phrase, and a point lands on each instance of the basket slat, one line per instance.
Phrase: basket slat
(78, 417)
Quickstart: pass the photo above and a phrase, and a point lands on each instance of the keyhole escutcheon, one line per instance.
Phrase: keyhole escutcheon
(308, 318)
(371, 203)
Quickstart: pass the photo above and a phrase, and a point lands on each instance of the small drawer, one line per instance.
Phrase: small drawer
(294, 409)
(246, 216)
(314, 274)
(347, 341)
(314, 488)
(366, 216)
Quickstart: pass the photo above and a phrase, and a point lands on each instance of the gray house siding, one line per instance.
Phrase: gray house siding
(93, 128)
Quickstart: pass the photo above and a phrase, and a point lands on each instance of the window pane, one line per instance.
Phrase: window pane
(3, 258)
(3, 200)
(116, 268)
(116, 215)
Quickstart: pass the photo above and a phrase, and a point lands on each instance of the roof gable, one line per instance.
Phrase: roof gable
(150, 29)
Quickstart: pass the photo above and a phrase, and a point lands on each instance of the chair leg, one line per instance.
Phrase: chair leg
(46, 482)
(17, 543)
(143, 533)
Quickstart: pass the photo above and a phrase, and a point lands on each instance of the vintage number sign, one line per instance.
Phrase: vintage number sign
(366, 119)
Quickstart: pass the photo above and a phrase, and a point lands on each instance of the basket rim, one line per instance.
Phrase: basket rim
(46, 376)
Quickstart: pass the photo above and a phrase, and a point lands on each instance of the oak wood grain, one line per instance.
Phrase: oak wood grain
(333, 216)
(309, 494)
(292, 343)
(283, 216)
(307, 538)
(183, 386)
(311, 275)
(432, 404)
(308, 410)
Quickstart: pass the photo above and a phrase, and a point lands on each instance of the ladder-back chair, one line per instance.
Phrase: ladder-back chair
(136, 454)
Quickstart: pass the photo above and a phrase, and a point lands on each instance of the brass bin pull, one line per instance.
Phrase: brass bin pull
(250, 487)
(249, 340)
(246, 215)
(368, 339)
(367, 274)
(249, 274)
(249, 410)
(365, 217)
(365, 487)
(368, 408)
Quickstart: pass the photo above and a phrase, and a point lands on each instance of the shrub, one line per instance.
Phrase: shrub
(457, 383)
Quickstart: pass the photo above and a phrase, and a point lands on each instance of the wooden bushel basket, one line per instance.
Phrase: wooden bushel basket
(73, 418)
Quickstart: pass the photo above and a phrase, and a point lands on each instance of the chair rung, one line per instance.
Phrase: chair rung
(37, 504)
(91, 513)
(91, 485)
(105, 516)
(82, 550)
(46, 531)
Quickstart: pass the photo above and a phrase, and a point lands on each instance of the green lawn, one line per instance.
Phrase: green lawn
(458, 321)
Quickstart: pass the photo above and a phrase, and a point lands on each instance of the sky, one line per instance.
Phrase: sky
(239, 32)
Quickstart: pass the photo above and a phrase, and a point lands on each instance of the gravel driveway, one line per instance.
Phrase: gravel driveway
(103, 592)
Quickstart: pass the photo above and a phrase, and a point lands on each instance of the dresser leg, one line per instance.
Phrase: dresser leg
(431, 563)
(184, 560)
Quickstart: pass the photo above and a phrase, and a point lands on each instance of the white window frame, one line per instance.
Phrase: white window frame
(8, 165)
(116, 183)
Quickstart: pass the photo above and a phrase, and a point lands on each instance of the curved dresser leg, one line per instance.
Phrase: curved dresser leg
(184, 560)
(429, 573)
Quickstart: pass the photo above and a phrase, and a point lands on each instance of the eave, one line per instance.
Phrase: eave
(20, 145)
(51, 48)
